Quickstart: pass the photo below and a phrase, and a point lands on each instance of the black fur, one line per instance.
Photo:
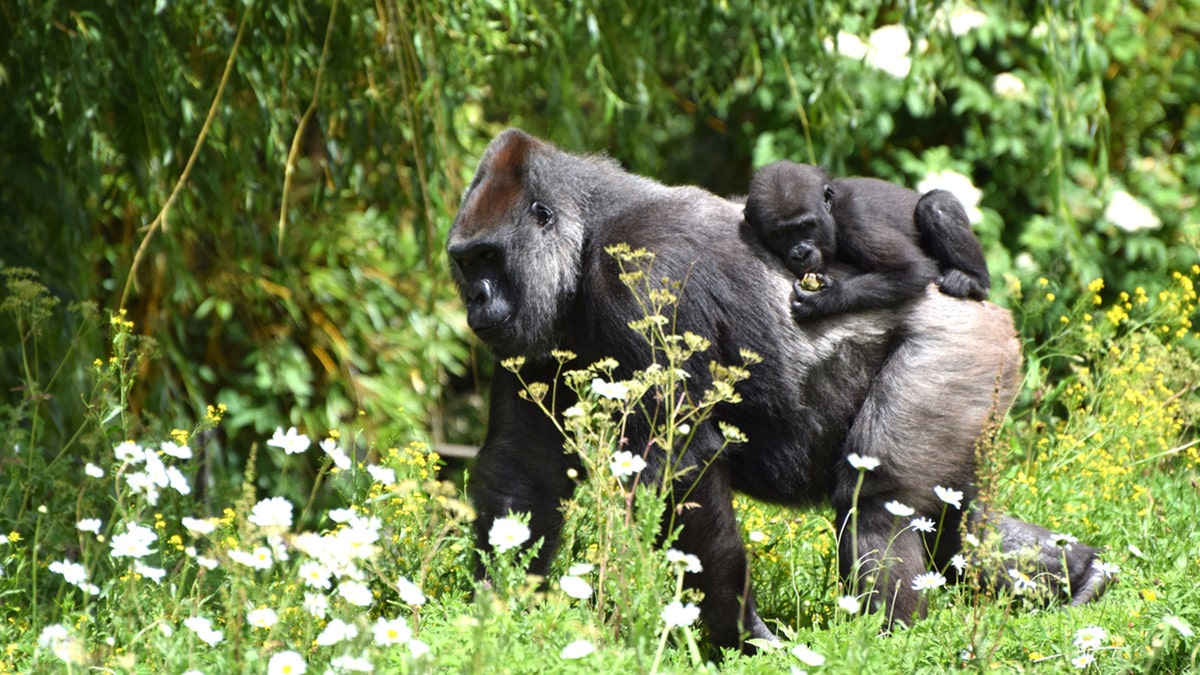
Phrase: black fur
(914, 388)
(894, 242)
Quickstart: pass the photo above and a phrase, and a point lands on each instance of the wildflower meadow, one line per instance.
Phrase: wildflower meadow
(113, 561)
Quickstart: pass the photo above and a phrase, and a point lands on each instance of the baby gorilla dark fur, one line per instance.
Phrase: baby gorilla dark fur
(888, 242)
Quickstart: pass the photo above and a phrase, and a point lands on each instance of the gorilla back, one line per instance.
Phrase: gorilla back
(914, 387)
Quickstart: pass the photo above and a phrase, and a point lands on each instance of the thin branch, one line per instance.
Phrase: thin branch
(289, 169)
(161, 219)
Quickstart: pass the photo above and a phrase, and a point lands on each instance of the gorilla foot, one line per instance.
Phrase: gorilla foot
(959, 284)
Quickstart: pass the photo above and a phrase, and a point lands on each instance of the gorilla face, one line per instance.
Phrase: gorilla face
(791, 205)
(515, 247)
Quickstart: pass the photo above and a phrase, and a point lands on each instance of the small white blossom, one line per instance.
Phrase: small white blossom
(1083, 661)
(141, 483)
(156, 470)
(862, 463)
(575, 587)
(1064, 540)
(177, 481)
(577, 650)
(381, 475)
(899, 510)
(51, 634)
(262, 617)
(410, 593)
(949, 495)
(807, 656)
(1090, 638)
(611, 390)
(958, 562)
(962, 19)
(260, 558)
(73, 573)
(351, 664)
(626, 463)
(1021, 581)
(172, 449)
(89, 525)
(316, 604)
(1127, 213)
(154, 574)
(850, 604)
(340, 459)
(128, 451)
(676, 614)
(889, 49)
(1008, 86)
(393, 632)
(1109, 570)
(337, 631)
(922, 525)
(291, 442)
(314, 574)
(507, 533)
(286, 662)
(203, 629)
(417, 648)
(134, 542)
(928, 581)
(93, 470)
(198, 525)
(757, 536)
(356, 593)
(580, 569)
(273, 512)
(689, 562)
(1179, 625)
(341, 515)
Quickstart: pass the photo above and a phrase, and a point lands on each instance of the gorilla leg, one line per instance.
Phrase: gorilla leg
(521, 468)
(710, 532)
(1057, 568)
(945, 235)
(880, 558)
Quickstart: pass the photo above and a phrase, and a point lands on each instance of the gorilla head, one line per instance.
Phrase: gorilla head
(790, 205)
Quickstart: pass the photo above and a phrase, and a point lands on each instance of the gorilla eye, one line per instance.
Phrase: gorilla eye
(544, 214)
(828, 198)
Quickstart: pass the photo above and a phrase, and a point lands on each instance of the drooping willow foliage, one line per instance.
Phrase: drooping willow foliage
(265, 187)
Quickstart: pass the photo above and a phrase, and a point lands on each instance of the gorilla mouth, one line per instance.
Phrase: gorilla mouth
(491, 330)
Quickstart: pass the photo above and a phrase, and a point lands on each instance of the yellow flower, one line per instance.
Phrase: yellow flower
(1050, 297)
(1096, 285)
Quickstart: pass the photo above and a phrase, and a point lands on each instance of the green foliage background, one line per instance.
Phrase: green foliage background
(338, 301)
(265, 189)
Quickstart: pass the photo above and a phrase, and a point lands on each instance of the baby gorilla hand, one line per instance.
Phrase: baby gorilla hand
(804, 291)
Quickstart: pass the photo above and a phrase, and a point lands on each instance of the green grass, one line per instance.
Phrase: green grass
(1102, 448)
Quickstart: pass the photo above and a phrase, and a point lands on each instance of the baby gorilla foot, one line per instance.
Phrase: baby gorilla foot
(959, 284)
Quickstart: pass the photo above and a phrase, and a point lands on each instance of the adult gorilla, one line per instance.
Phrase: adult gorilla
(913, 387)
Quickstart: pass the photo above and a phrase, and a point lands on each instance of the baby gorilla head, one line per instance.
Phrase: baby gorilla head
(789, 206)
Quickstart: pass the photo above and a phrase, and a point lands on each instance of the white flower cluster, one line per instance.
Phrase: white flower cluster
(144, 470)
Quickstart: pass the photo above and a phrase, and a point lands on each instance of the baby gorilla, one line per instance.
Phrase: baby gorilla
(894, 241)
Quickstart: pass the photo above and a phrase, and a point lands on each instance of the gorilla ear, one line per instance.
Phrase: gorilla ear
(828, 198)
(544, 214)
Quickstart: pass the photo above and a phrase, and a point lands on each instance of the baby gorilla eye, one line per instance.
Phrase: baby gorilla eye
(544, 214)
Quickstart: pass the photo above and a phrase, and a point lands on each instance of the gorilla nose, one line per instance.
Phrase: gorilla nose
(480, 294)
